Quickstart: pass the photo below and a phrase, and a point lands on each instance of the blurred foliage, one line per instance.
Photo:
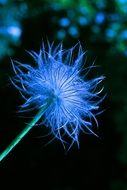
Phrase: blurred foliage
(11, 14)
(101, 26)
(105, 21)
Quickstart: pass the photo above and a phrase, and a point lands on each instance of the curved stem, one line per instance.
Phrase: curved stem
(24, 131)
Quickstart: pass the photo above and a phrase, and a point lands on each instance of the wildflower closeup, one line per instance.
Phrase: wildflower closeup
(56, 78)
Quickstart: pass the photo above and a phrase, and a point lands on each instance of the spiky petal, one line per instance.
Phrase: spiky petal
(56, 75)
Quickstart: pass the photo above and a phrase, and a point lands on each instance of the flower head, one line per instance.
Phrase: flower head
(57, 77)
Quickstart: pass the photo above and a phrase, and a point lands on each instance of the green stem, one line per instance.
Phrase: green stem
(24, 131)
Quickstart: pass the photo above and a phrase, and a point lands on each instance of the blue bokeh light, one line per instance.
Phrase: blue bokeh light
(110, 33)
(124, 35)
(14, 31)
(3, 2)
(64, 22)
(122, 1)
(82, 20)
(61, 34)
(100, 17)
(73, 31)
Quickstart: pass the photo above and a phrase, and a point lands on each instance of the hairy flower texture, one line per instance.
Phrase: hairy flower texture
(57, 77)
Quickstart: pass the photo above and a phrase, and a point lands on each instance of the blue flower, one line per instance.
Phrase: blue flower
(57, 76)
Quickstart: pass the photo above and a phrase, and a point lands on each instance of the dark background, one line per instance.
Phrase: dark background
(101, 27)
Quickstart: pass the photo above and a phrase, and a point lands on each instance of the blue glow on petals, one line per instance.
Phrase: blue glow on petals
(57, 74)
